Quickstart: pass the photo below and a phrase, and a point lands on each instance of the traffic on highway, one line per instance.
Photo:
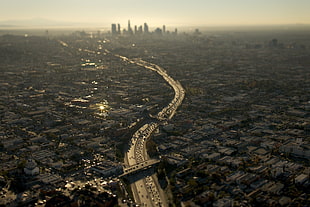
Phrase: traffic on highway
(147, 191)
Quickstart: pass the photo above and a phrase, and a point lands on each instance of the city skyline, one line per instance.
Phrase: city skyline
(171, 13)
(143, 106)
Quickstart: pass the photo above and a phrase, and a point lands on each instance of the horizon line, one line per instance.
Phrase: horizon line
(172, 25)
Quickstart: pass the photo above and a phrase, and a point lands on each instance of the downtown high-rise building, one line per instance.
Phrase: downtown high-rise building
(129, 29)
(118, 29)
(146, 28)
(140, 31)
(113, 29)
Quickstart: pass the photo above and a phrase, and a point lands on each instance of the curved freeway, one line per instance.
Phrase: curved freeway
(147, 191)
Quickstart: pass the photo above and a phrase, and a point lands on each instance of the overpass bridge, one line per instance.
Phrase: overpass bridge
(139, 167)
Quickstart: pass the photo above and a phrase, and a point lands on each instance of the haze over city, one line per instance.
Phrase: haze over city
(155, 103)
(172, 12)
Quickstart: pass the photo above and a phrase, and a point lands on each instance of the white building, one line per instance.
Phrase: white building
(31, 168)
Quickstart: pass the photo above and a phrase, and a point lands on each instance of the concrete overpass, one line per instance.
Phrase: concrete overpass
(139, 167)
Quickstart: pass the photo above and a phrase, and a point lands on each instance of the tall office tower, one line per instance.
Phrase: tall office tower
(136, 29)
(164, 29)
(140, 29)
(146, 28)
(129, 28)
(118, 29)
(113, 29)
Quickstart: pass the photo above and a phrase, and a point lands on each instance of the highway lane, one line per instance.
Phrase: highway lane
(147, 191)
(144, 191)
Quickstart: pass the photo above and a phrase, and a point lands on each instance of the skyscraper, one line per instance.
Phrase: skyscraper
(146, 28)
(176, 31)
(118, 29)
(164, 29)
(140, 29)
(129, 28)
(113, 29)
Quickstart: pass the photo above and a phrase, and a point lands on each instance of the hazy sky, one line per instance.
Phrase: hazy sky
(158, 12)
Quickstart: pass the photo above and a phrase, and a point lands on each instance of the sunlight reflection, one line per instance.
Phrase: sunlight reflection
(101, 109)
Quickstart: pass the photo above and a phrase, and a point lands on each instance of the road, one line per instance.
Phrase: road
(146, 190)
